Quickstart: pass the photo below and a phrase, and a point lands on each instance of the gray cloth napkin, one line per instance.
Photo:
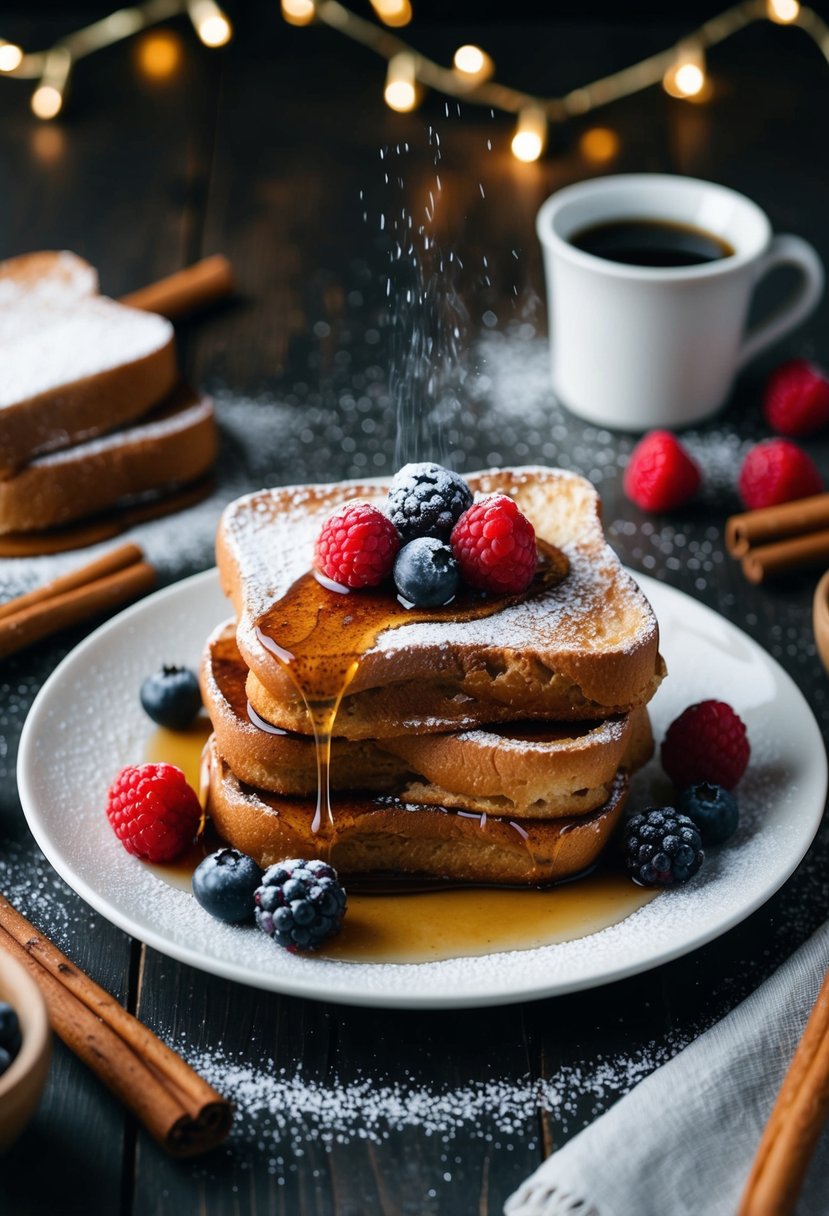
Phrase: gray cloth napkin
(682, 1142)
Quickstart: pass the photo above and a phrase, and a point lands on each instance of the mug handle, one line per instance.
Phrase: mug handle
(786, 251)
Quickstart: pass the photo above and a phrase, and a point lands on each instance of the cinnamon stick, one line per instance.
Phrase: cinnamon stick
(187, 290)
(775, 523)
(785, 556)
(795, 1124)
(47, 616)
(179, 1108)
(110, 562)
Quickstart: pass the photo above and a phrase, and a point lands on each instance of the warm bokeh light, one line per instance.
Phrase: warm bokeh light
(599, 145)
(48, 142)
(530, 138)
(686, 78)
(393, 12)
(782, 11)
(298, 12)
(159, 54)
(401, 83)
(11, 56)
(47, 101)
(472, 64)
(210, 23)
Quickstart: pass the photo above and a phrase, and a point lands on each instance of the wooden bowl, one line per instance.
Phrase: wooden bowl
(820, 619)
(22, 1083)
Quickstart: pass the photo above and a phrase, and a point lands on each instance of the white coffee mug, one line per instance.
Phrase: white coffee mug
(635, 347)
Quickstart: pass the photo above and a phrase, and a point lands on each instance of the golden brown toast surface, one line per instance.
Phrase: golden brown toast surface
(384, 836)
(172, 446)
(521, 770)
(585, 648)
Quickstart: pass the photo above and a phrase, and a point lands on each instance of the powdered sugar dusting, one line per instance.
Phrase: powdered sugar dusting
(781, 797)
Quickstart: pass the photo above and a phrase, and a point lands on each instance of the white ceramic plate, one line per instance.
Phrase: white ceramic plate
(86, 723)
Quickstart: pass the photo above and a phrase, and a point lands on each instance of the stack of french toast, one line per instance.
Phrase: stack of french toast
(92, 413)
(493, 748)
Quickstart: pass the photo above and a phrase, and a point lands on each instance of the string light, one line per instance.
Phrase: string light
(685, 77)
(47, 99)
(401, 83)
(393, 12)
(209, 22)
(11, 56)
(472, 65)
(530, 138)
(783, 12)
(298, 12)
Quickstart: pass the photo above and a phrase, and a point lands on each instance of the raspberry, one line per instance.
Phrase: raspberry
(494, 546)
(777, 471)
(153, 811)
(661, 848)
(796, 399)
(300, 904)
(660, 475)
(427, 500)
(357, 545)
(707, 742)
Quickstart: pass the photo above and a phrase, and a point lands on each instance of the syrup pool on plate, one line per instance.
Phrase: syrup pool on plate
(415, 926)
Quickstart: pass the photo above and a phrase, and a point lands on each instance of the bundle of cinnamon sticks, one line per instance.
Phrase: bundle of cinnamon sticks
(779, 540)
(107, 582)
(177, 1106)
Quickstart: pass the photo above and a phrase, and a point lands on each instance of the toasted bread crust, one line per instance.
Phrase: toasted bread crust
(520, 770)
(586, 648)
(81, 372)
(383, 836)
(172, 447)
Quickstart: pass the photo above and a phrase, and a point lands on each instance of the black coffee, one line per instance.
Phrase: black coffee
(651, 243)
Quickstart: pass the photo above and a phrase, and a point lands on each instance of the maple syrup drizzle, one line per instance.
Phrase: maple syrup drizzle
(320, 646)
(405, 919)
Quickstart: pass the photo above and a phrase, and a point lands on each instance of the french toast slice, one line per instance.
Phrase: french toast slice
(373, 837)
(585, 648)
(520, 770)
(171, 447)
(74, 371)
(45, 279)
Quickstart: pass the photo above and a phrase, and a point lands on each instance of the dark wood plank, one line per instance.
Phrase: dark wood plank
(137, 182)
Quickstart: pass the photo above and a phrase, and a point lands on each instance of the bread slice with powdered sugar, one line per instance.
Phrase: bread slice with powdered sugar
(585, 648)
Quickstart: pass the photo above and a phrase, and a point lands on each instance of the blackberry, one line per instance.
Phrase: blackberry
(171, 697)
(426, 500)
(225, 884)
(300, 904)
(661, 847)
(10, 1038)
(712, 808)
(425, 572)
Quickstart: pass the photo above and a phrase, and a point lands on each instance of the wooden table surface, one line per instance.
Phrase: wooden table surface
(276, 152)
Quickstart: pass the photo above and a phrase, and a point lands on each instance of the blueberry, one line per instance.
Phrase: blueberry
(171, 697)
(225, 883)
(427, 500)
(712, 808)
(426, 573)
(5, 1060)
(300, 903)
(661, 847)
